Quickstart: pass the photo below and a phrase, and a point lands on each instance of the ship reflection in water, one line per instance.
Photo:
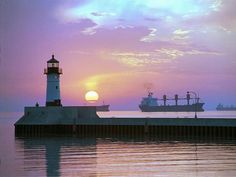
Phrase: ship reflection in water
(150, 104)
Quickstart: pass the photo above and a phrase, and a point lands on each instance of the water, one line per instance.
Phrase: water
(139, 114)
(91, 156)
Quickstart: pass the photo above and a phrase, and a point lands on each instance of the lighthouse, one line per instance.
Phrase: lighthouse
(53, 73)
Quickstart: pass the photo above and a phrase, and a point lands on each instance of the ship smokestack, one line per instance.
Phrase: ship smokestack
(176, 99)
(188, 97)
(164, 99)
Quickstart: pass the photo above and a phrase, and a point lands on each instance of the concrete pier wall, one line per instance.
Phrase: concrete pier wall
(56, 115)
(83, 120)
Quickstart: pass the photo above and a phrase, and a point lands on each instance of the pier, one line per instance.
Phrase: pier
(84, 121)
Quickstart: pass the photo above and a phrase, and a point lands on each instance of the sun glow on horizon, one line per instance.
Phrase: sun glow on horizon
(91, 96)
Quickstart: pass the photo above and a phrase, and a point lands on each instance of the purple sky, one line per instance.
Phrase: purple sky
(119, 49)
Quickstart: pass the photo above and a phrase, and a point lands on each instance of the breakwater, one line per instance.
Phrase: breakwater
(83, 120)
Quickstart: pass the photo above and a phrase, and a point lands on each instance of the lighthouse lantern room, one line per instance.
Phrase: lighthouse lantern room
(53, 73)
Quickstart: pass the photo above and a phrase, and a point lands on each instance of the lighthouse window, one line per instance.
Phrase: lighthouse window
(53, 65)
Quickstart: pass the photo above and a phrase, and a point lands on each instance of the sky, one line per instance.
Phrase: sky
(120, 48)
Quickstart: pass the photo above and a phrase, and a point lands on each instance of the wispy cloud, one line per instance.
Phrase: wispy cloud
(216, 5)
(180, 34)
(90, 30)
(106, 14)
(163, 55)
(171, 53)
(151, 36)
(102, 14)
(133, 59)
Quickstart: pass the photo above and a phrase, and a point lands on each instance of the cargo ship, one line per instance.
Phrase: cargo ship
(221, 107)
(103, 108)
(150, 104)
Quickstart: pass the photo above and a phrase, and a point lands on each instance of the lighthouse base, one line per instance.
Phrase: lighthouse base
(54, 103)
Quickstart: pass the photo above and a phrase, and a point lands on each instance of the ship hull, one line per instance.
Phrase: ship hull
(173, 108)
(226, 109)
(102, 108)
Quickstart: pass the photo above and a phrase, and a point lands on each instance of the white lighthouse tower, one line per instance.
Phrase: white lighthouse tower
(53, 72)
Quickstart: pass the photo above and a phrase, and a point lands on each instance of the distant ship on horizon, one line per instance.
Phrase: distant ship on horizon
(221, 107)
(150, 104)
(103, 108)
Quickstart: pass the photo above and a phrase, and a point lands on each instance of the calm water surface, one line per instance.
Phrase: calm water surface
(123, 156)
(138, 114)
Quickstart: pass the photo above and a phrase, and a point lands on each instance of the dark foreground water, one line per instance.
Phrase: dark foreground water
(123, 156)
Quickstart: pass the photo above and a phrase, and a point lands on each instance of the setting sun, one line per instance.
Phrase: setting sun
(91, 96)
